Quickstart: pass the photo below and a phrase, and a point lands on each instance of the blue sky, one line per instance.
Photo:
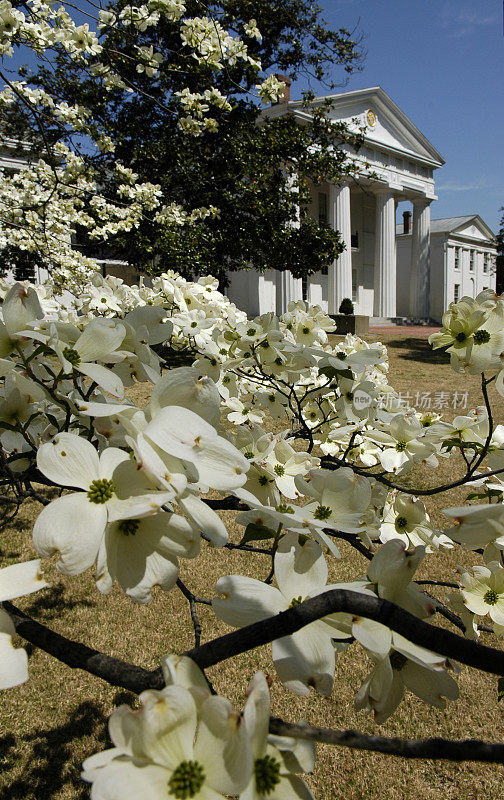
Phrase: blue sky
(442, 63)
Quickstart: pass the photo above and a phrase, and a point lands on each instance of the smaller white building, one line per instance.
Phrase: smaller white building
(462, 261)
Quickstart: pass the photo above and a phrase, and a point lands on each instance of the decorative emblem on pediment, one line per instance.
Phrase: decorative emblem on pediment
(371, 117)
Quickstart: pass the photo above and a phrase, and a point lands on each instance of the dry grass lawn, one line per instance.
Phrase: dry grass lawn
(50, 724)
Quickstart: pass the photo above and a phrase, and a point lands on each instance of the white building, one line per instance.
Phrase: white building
(395, 164)
(462, 261)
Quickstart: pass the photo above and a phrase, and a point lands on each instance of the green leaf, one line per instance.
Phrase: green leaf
(255, 533)
(332, 373)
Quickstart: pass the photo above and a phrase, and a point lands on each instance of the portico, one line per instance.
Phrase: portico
(396, 163)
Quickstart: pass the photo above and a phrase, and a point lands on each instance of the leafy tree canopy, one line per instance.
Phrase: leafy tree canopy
(255, 172)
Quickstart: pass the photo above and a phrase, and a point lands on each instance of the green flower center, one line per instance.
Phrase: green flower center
(322, 512)
(128, 527)
(251, 332)
(341, 355)
(278, 361)
(349, 395)
(100, 491)
(71, 355)
(186, 780)
(263, 480)
(283, 508)
(296, 601)
(271, 398)
(481, 337)
(461, 337)
(401, 446)
(491, 597)
(194, 324)
(213, 361)
(397, 661)
(306, 330)
(226, 379)
(267, 774)
(249, 454)
(279, 469)
(401, 522)
(265, 344)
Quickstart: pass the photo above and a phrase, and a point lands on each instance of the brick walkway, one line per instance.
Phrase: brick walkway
(403, 330)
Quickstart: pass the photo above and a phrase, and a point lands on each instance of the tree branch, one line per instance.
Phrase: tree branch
(397, 619)
(119, 673)
(136, 679)
(79, 656)
(465, 750)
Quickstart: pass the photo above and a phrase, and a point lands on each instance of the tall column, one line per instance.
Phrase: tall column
(339, 274)
(385, 255)
(420, 260)
(287, 288)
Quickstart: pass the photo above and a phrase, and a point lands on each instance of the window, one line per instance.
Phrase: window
(457, 258)
(485, 262)
(354, 240)
(471, 260)
(354, 285)
(322, 208)
(456, 293)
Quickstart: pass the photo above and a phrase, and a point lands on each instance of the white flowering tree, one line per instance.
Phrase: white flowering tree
(63, 190)
(135, 500)
(140, 488)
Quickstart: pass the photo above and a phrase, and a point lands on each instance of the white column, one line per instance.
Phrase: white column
(339, 274)
(385, 255)
(420, 260)
(287, 288)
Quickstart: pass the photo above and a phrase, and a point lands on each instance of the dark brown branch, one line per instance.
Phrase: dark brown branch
(191, 598)
(136, 679)
(473, 654)
(397, 619)
(465, 750)
(79, 656)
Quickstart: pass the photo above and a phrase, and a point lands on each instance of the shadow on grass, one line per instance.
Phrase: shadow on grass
(419, 349)
(53, 602)
(51, 763)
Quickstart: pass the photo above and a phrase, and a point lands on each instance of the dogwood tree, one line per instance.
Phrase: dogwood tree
(143, 487)
(146, 125)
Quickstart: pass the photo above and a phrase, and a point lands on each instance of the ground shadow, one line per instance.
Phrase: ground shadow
(418, 349)
(52, 602)
(52, 763)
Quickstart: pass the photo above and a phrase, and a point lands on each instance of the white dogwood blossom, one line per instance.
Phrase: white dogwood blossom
(306, 658)
(15, 581)
(174, 747)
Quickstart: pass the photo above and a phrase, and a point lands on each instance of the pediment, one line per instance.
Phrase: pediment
(387, 127)
(474, 229)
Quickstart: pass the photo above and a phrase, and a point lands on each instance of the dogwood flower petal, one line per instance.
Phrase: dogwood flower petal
(242, 601)
(222, 746)
(13, 660)
(305, 659)
(299, 568)
(20, 579)
(69, 460)
(72, 526)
